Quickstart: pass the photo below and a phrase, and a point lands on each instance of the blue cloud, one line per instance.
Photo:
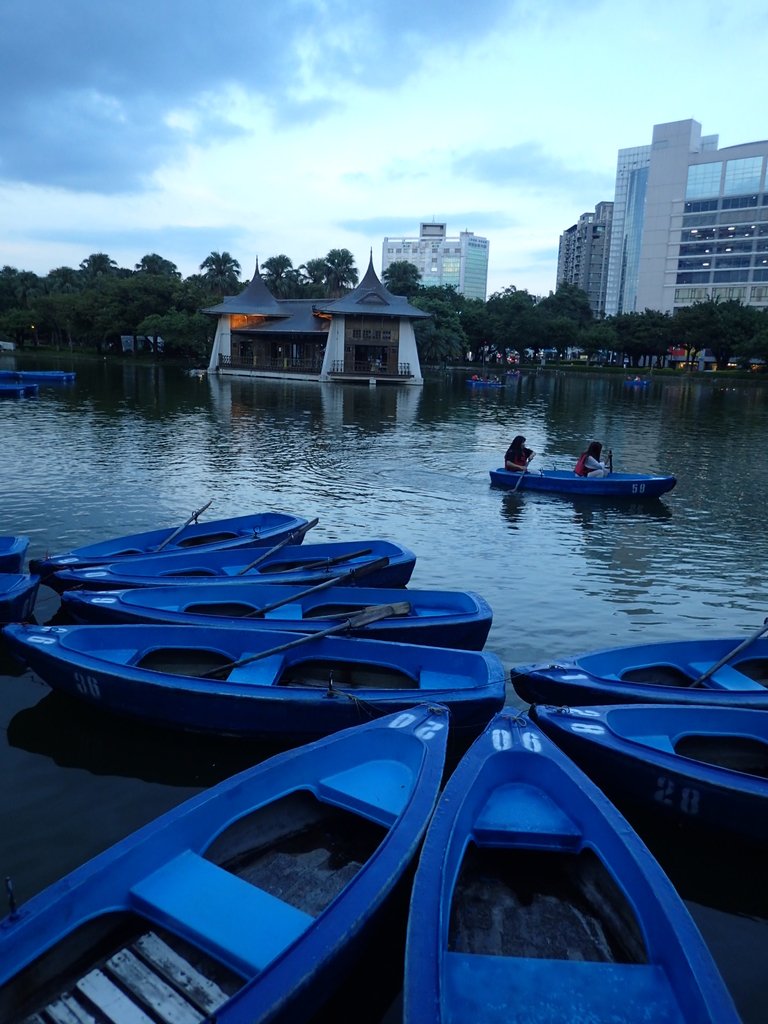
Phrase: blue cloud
(528, 166)
(86, 86)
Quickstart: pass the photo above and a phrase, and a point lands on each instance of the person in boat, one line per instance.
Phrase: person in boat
(517, 455)
(590, 462)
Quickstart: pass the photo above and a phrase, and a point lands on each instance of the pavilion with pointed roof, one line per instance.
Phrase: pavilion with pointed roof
(365, 336)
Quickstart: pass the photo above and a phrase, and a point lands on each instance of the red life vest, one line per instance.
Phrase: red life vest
(579, 469)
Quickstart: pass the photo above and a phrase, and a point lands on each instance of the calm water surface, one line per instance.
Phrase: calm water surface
(127, 448)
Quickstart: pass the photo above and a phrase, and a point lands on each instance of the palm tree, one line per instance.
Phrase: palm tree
(277, 274)
(98, 264)
(340, 272)
(154, 264)
(221, 272)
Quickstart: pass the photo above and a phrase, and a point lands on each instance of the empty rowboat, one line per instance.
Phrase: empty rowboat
(701, 765)
(257, 683)
(721, 672)
(248, 902)
(440, 618)
(256, 529)
(305, 564)
(535, 901)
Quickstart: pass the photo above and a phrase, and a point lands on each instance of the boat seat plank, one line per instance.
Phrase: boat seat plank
(200, 990)
(487, 988)
(726, 678)
(264, 672)
(430, 680)
(239, 923)
(150, 990)
(524, 814)
(110, 1001)
(65, 1010)
(377, 789)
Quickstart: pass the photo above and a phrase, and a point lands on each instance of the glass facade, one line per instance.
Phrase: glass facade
(743, 175)
(704, 180)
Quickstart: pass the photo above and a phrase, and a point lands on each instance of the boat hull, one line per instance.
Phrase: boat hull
(660, 673)
(13, 551)
(256, 530)
(307, 564)
(534, 900)
(439, 618)
(560, 481)
(158, 674)
(18, 593)
(700, 765)
(281, 919)
(37, 376)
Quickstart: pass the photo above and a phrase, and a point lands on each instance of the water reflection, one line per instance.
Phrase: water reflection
(74, 735)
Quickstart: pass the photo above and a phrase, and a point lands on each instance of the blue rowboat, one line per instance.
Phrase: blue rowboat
(37, 376)
(564, 481)
(701, 765)
(439, 618)
(18, 593)
(255, 530)
(257, 683)
(307, 564)
(248, 902)
(721, 672)
(18, 390)
(13, 551)
(534, 900)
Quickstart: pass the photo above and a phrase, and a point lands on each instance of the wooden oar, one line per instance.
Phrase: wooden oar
(360, 570)
(732, 654)
(281, 544)
(373, 614)
(520, 479)
(323, 563)
(178, 530)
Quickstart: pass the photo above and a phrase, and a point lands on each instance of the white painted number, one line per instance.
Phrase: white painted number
(88, 686)
(686, 800)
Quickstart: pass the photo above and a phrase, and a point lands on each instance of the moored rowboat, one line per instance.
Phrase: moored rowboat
(440, 618)
(702, 765)
(247, 902)
(13, 550)
(721, 672)
(534, 900)
(18, 593)
(307, 564)
(258, 683)
(37, 376)
(255, 530)
(563, 481)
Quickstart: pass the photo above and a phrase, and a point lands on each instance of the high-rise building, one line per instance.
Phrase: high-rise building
(460, 261)
(690, 222)
(583, 255)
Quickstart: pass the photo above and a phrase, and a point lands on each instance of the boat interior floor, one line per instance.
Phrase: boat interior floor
(121, 966)
(542, 904)
(740, 753)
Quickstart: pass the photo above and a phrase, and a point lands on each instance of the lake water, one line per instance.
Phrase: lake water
(126, 448)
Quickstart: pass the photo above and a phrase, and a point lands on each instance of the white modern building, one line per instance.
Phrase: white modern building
(690, 222)
(460, 261)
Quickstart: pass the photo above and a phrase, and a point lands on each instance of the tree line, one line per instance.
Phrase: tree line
(91, 307)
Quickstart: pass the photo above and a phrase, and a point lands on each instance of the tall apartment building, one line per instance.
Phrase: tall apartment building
(690, 222)
(459, 261)
(583, 255)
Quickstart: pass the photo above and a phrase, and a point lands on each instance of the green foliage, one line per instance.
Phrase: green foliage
(441, 339)
(402, 278)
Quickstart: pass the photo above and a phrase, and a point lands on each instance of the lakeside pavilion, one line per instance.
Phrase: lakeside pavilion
(366, 336)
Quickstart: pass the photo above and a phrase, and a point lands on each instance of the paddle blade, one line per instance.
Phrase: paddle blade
(376, 612)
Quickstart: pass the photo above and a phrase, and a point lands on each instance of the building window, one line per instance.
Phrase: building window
(704, 180)
(739, 202)
(701, 207)
(742, 175)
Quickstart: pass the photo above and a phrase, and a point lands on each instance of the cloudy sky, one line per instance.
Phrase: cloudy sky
(181, 127)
